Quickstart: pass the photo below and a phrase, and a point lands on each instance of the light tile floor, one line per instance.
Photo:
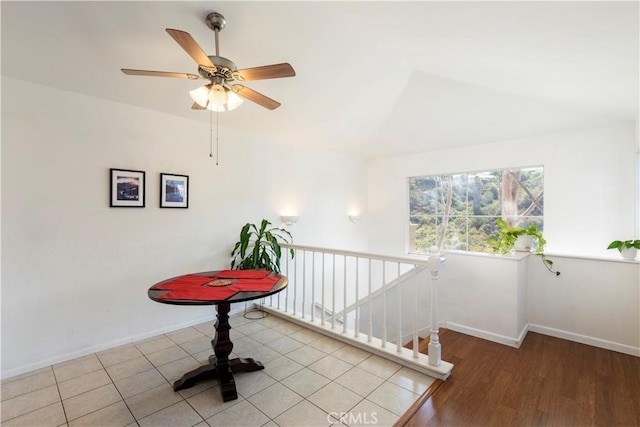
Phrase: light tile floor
(309, 380)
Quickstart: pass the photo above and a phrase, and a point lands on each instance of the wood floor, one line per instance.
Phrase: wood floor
(546, 382)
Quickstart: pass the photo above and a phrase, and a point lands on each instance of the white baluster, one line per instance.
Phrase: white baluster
(357, 310)
(384, 305)
(322, 314)
(292, 281)
(435, 351)
(370, 306)
(280, 294)
(399, 336)
(304, 280)
(344, 296)
(313, 286)
(333, 293)
(295, 288)
(415, 321)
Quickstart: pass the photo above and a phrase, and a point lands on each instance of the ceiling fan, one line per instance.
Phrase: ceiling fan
(222, 93)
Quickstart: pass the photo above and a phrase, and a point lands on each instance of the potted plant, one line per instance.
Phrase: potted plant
(627, 248)
(259, 248)
(520, 239)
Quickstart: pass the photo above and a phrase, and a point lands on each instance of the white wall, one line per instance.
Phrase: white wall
(75, 272)
(590, 200)
(499, 298)
(589, 186)
(485, 296)
(593, 301)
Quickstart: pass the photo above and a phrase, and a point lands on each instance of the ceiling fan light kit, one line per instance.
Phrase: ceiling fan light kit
(215, 97)
(222, 93)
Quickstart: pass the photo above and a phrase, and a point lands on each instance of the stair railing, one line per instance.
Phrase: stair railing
(357, 297)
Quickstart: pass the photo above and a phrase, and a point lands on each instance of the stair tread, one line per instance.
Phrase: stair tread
(423, 343)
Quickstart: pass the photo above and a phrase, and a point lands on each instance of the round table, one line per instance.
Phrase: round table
(219, 365)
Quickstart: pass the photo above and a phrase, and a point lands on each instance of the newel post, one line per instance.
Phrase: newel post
(434, 351)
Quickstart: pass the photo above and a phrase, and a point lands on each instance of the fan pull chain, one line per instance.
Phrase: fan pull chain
(210, 133)
(211, 136)
(217, 138)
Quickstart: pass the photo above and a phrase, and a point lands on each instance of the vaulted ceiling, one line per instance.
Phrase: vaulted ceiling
(373, 78)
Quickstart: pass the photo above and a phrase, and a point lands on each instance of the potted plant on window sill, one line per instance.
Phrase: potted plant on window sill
(520, 239)
(627, 248)
(259, 248)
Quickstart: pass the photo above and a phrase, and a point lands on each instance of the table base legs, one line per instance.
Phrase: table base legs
(219, 364)
(225, 376)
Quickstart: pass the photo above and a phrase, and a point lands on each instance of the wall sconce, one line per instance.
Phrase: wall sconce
(354, 218)
(289, 219)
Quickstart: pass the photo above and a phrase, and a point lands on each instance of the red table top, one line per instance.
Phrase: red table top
(203, 288)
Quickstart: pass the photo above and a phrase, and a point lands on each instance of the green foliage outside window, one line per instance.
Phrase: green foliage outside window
(459, 211)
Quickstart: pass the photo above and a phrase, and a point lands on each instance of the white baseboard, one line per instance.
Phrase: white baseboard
(584, 339)
(106, 346)
(522, 335)
(489, 336)
(544, 330)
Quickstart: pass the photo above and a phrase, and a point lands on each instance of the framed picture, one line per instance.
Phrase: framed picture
(127, 188)
(174, 191)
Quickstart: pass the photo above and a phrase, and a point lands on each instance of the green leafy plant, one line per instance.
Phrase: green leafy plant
(259, 248)
(507, 237)
(624, 244)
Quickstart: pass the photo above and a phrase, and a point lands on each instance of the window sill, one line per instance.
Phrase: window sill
(516, 256)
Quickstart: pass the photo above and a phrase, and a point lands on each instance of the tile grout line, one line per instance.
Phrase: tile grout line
(64, 410)
(114, 384)
(204, 420)
(167, 381)
(361, 398)
(324, 386)
(303, 399)
(171, 385)
(250, 403)
(308, 367)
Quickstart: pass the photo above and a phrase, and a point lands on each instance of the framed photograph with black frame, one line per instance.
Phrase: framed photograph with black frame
(174, 191)
(127, 188)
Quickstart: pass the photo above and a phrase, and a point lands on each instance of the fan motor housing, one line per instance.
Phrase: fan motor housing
(225, 69)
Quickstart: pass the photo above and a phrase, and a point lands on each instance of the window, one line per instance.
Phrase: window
(459, 211)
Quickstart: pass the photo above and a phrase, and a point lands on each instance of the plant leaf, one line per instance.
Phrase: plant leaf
(260, 247)
(263, 226)
(616, 244)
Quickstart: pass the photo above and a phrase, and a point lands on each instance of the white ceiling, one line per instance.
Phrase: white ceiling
(373, 78)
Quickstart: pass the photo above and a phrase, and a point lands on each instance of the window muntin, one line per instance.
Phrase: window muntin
(459, 211)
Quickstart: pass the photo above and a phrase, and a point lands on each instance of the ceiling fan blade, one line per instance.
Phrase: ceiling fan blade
(256, 97)
(197, 106)
(274, 71)
(187, 42)
(131, 72)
